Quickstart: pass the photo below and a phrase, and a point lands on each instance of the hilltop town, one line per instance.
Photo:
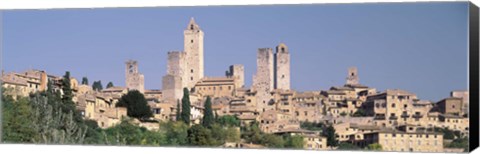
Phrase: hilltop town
(395, 119)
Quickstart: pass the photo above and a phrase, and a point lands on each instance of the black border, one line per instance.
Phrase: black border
(473, 75)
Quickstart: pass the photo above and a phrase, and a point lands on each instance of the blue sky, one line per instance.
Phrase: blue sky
(419, 47)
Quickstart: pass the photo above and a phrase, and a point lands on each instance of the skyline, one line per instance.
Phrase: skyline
(329, 48)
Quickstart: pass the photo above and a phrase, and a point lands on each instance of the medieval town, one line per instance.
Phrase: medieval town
(361, 116)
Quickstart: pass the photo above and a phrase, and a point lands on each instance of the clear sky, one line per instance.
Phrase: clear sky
(418, 47)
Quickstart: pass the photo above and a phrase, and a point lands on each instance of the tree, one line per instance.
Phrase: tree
(295, 141)
(68, 104)
(110, 84)
(228, 120)
(16, 121)
(177, 118)
(359, 113)
(374, 146)
(84, 81)
(208, 118)
(176, 132)
(313, 126)
(136, 105)
(200, 136)
(185, 114)
(331, 136)
(343, 114)
(347, 146)
(272, 141)
(97, 85)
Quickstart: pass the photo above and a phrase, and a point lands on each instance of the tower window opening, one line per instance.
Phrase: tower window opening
(191, 41)
(283, 49)
(191, 27)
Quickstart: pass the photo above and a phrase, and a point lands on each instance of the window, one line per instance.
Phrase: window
(191, 27)
(393, 105)
(191, 78)
(191, 70)
(453, 106)
(191, 41)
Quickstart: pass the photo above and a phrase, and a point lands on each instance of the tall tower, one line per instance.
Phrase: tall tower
(282, 67)
(133, 79)
(263, 80)
(237, 72)
(352, 78)
(193, 47)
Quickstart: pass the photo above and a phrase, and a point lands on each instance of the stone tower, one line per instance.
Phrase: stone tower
(133, 79)
(282, 67)
(352, 78)
(193, 47)
(173, 83)
(263, 80)
(237, 72)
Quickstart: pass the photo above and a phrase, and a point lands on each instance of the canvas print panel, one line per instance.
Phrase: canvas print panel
(382, 77)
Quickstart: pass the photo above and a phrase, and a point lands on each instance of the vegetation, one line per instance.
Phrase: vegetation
(459, 143)
(84, 81)
(347, 146)
(97, 85)
(343, 114)
(177, 115)
(208, 118)
(136, 105)
(313, 126)
(331, 136)
(359, 113)
(109, 85)
(228, 120)
(374, 147)
(185, 113)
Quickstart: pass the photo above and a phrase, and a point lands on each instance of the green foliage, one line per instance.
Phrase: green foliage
(110, 84)
(295, 141)
(273, 141)
(252, 134)
(200, 136)
(347, 146)
(177, 115)
(185, 114)
(208, 118)
(331, 136)
(360, 113)
(343, 114)
(126, 133)
(313, 126)
(97, 85)
(374, 147)
(16, 121)
(84, 81)
(175, 132)
(136, 105)
(459, 143)
(228, 120)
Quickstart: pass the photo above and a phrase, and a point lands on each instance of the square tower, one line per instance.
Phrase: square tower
(263, 80)
(352, 78)
(282, 67)
(133, 79)
(237, 72)
(193, 47)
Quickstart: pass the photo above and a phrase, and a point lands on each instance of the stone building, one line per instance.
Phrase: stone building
(263, 80)
(215, 87)
(237, 72)
(134, 80)
(352, 78)
(184, 69)
(465, 97)
(406, 138)
(193, 47)
(282, 67)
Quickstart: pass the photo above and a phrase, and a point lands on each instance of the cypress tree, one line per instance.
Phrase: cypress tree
(208, 118)
(110, 84)
(185, 114)
(177, 118)
(85, 81)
